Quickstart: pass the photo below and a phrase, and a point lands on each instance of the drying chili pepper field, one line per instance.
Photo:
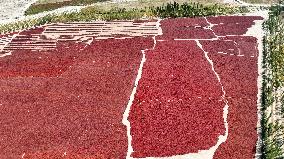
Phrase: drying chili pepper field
(168, 88)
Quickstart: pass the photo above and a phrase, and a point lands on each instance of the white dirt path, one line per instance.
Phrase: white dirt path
(258, 32)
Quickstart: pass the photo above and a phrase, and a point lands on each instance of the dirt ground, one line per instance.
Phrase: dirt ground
(261, 1)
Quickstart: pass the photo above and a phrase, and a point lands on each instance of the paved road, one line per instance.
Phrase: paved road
(13, 9)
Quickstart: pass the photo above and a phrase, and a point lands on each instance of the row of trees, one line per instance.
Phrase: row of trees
(272, 86)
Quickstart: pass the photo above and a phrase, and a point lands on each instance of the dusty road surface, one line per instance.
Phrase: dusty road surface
(178, 88)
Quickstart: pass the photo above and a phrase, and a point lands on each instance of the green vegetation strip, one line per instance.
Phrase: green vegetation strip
(272, 86)
(94, 13)
(38, 8)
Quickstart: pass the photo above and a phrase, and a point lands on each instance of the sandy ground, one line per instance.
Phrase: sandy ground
(13, 9)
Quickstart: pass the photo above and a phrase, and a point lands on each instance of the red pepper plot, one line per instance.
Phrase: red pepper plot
(67, 97)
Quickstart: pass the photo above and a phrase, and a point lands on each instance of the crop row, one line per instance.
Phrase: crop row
(272, 86)
(93, 13)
